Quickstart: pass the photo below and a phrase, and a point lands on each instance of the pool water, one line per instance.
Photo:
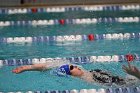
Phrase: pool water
(42, 81)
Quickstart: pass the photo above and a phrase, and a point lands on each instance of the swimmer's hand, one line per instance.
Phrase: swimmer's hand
(132, 70)
(18, 70)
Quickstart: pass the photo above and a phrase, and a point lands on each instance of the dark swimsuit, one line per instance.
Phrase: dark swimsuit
(106, 78)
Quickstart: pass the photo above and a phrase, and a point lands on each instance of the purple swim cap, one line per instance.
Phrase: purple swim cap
(65, 69)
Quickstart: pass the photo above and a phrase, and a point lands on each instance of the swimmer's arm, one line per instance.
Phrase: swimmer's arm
(34, 67)
(41, 66)
(132, 70)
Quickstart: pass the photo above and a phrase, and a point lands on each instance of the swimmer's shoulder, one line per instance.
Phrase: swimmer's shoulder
(87, 76)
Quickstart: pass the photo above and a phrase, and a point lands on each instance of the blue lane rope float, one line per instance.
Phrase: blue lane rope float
(69, 38)
(75, 60)
(101, 90)
(69, 8)
(71, 21)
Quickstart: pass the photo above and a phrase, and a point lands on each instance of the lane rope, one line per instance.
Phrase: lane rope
(71, 21)
(75, 60)
(71, 38)
(101, 90)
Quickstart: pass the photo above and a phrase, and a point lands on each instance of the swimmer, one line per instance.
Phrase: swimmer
(95, 76)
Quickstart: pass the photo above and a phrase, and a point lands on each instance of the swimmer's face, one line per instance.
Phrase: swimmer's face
(75, 71)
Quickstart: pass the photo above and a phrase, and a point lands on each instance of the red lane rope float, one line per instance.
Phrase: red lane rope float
(62, 21)
(91, 37)
(129, 57)
(34, 10)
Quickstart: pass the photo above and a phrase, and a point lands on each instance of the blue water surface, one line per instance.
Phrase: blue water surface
(42, 81)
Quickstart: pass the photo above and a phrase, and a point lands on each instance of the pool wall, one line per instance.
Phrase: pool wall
(30, 3)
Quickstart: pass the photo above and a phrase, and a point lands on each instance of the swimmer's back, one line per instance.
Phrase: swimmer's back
(103, 78)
